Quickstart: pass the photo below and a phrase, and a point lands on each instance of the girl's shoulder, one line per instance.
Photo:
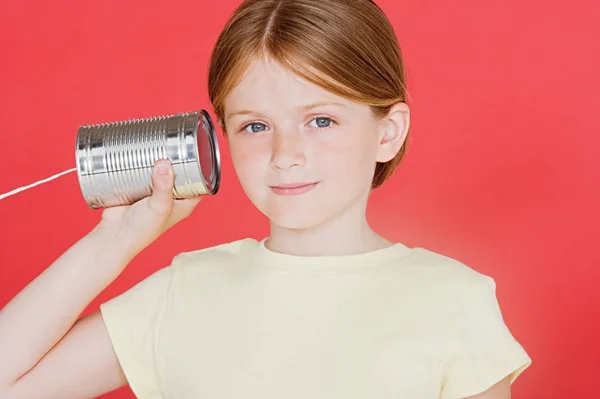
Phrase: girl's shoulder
(445, 274)
(224, 251)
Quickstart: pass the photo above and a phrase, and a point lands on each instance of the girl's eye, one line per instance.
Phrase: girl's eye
(321, 122)
(255, 128)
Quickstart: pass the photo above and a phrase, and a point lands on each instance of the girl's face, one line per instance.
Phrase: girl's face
(303, 155)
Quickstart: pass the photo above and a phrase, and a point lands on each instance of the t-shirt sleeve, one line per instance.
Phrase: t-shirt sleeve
(132, 320)
(483, 351)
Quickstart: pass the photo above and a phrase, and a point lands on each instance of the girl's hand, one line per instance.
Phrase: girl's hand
(137, 226)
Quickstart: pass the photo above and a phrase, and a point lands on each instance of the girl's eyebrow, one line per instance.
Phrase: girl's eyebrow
(242, 112)
(300, 108)
(318, 104)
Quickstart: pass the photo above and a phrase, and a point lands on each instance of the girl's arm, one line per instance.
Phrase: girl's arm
(499, 391)
(39, 323)
(45, 352)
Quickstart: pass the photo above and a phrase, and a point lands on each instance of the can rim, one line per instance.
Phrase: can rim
(214, 149)
(81, 131)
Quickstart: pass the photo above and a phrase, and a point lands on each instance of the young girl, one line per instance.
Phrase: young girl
(311, 95)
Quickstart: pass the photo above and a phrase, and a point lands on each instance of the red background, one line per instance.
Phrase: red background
(502, 171)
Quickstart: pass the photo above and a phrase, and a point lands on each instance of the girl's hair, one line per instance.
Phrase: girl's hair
(347, 47)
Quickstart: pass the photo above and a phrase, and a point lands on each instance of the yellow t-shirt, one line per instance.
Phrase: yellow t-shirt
(241, 321)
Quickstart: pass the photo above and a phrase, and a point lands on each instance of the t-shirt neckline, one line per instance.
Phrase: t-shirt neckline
(329, 263)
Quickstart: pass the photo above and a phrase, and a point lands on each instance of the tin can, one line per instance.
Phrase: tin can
(114, 160)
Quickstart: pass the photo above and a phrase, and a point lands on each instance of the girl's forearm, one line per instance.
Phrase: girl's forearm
(46, 309)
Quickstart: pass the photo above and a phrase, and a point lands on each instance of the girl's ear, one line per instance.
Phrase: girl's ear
(393, 130)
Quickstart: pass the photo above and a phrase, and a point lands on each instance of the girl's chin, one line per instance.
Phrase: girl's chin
(295, 220)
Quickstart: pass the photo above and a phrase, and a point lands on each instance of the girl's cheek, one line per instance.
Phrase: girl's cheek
(248, 155)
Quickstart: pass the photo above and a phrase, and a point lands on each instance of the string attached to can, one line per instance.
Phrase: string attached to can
(37, 183)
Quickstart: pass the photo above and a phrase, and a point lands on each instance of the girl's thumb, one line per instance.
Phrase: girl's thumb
(161, 200)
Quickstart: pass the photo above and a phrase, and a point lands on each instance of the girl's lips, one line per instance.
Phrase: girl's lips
(293, 188)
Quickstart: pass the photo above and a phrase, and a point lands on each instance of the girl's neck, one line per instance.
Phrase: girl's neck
(347, 234)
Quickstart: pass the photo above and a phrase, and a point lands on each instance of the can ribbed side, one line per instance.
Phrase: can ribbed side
(131, 148)
(115, 160)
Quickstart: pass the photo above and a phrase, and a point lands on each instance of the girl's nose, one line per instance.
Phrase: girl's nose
(287, 150)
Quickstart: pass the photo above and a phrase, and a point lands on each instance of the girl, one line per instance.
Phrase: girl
(311, 95)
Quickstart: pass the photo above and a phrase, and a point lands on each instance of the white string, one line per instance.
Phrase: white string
(18, 190)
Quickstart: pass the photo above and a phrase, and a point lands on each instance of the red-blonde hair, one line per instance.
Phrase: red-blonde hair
(347, 47)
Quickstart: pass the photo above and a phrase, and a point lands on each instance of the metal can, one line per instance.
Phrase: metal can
(114, 160)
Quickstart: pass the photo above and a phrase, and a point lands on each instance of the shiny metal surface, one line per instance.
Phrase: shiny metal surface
(114, 160)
